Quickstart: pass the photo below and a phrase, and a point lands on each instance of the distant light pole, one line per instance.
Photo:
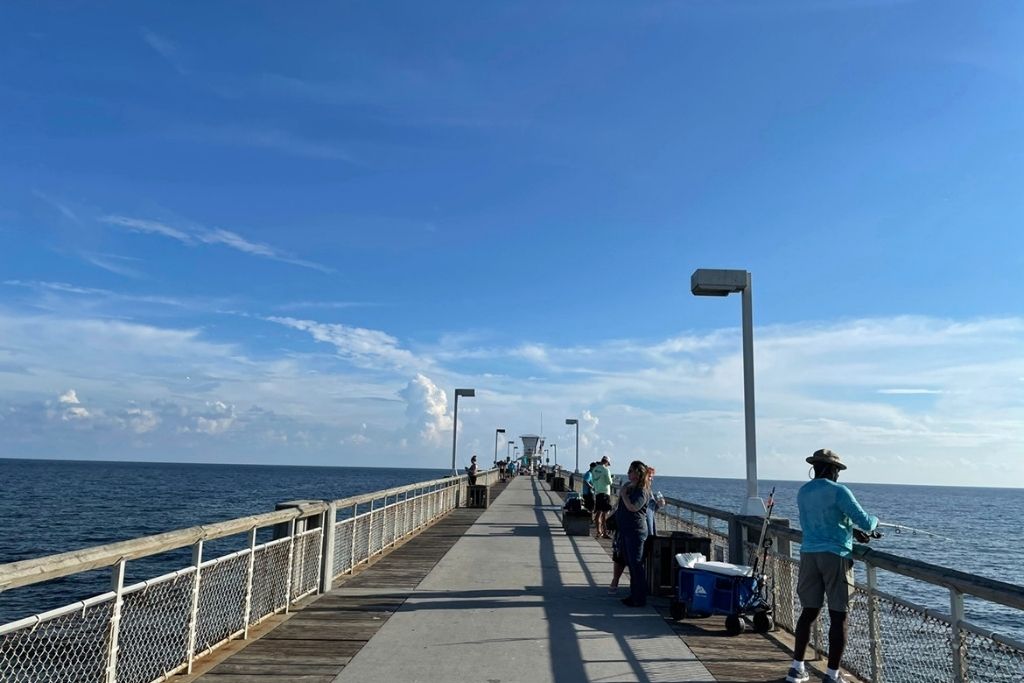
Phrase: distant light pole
(508, 448)
(496, 433)
(554, 447)
(469, 393)
(572, 421)
(547, 458)
(709, 282)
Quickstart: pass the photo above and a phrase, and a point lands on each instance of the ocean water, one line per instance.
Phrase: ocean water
(979, 526)
(50, 506)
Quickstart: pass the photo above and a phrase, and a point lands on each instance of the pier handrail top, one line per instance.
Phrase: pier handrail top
(387, 493)
(48, 567)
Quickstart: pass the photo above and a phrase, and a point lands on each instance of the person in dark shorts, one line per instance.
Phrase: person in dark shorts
(601, 480)
(830, 518)
(588, 488)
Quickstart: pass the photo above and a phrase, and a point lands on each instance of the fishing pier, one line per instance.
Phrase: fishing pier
(441, 581)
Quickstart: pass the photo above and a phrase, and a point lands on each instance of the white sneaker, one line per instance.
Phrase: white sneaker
(796, 675)
(839, 678)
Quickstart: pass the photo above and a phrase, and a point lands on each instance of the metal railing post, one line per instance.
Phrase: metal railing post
(352, 559)
(874, 626)
(193, 619)
(116, 585)
(292, 526)
(248, 581)
(957, 640)
(395, 527)
(369, 531)
(327, 557)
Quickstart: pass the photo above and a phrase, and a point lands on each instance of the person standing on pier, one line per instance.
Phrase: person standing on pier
(601, 480)
(588, 488)
(631, 520)
(472, 470)
(830, 518)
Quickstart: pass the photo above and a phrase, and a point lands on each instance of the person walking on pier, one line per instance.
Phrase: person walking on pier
(631, 520)
(830, 518)
(601, 480)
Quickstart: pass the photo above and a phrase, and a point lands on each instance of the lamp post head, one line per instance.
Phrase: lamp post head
(499, 431)
(571, 421)
(465, 392)
(714, 282)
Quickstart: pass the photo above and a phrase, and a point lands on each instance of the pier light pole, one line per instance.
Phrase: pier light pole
(710, 282)
(497, 432)
(508, 449)
(469, 393)
(573, 421)
(554, 447)
(547, 458)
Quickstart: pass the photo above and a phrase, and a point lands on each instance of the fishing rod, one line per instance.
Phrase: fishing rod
(764, 542)
(901, 528)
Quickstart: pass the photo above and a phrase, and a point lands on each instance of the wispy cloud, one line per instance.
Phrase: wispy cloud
(114, 263)
(105, 294)
(61, 207)
(293, 305)
(166, 49)
(366, 348)
(909, 392)
(149, 227)
(200, 235)
(274, 139)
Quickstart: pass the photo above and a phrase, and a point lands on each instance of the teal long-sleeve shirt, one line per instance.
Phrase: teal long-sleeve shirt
(828, 514)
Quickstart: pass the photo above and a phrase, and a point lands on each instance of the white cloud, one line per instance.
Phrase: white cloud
(360, 346)
(69, 397)
(199, 235)
(426, 410)
(61, 207)
(175, 390)
(166, 49)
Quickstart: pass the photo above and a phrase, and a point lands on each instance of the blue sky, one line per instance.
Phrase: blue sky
(286, 235)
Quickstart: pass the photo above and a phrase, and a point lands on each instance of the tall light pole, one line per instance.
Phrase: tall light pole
(496, 433)
(709, 282)
(547, 458)
(455, 424)
(554, 447)
(572, 421)
(508, 449)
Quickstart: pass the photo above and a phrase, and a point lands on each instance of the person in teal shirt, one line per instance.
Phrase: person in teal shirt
(830, 519)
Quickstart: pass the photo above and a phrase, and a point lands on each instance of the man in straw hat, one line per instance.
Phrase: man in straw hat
(830, 518)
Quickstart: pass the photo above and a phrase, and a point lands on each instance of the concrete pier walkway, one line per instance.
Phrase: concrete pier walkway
(514, 599)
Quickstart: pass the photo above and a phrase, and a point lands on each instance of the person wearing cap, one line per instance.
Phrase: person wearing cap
(830, 518)
(601, 481)
(472, 470)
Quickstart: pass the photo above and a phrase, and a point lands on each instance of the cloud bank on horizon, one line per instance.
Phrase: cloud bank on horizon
(909, 398)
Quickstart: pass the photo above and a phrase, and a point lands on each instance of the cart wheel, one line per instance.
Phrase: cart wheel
(677, 610)
(762, 622)
(733, 625)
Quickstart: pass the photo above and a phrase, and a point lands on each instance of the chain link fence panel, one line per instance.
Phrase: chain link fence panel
(71, 645)
(154, 628)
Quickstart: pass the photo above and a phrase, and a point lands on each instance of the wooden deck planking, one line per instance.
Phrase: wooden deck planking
(313, 644)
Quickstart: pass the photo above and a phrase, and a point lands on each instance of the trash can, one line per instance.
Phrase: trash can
(558, 484)
(479, 496)
(662, 572)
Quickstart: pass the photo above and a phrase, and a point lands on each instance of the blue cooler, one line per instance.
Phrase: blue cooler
(709, 588)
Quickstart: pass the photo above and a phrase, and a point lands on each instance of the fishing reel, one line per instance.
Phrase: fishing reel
(865, 536)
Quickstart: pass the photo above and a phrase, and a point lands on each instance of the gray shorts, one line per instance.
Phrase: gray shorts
(825, 574)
